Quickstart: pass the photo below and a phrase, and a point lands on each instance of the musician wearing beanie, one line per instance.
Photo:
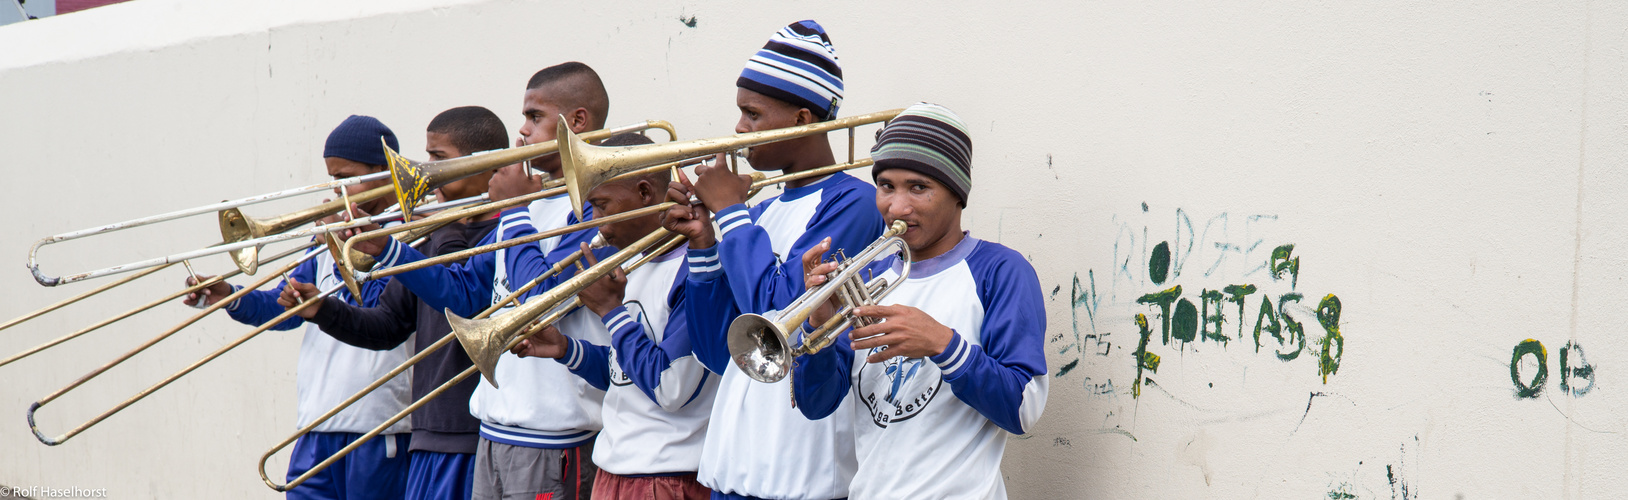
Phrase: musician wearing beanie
(329, 371)
(955, 362)
(444, 434)
(750, 266)
(537, 431)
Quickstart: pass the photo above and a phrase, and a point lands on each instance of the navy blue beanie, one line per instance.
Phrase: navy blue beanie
(357, 139)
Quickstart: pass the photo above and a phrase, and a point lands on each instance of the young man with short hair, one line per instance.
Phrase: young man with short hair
(329, 371)
(658, 397)
(444, 433)
(956, 361)
(751, 267)
(537, 431)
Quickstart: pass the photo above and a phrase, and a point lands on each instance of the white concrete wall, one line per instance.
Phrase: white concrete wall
(1449, 171)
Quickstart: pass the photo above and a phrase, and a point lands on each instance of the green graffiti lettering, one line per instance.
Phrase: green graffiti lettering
(1583, 370)
(1206, 299)
(1533, 389)
(1266, 320)
(1328, 314)
(1236, 295)
(1184, 326)
(1144, 359)
(1164, 300)
(1281, 262)
(1296, 332)
(1159, 263)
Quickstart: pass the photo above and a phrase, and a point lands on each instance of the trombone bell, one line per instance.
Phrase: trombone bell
(482, 340)
(235, 227)
(760, 348)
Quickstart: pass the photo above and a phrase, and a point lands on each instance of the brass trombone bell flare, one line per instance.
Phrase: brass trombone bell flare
(413, 180)
(236, 227)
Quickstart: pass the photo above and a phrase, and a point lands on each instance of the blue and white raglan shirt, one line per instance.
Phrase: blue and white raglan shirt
(936, 427)
(756, 267)
(330, 371)
(541, 404)
(658, 397)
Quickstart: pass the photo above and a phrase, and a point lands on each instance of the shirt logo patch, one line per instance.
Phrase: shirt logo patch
(897, 389)
(636, 310)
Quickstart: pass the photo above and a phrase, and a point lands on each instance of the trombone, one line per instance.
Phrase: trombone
(761, 346)
(487, 358)
(414, 180)
(242, 235)
(485, 340)
(53, 441)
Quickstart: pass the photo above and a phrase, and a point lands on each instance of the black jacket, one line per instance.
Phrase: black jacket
(444, 424)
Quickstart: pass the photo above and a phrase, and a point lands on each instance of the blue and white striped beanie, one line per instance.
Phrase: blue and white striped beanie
(797, 66)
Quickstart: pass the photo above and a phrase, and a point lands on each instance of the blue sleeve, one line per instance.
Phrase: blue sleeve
(709, 307)
(819, 381)
(1004, 376)
(589, 361)
(526, 262)
(763, 281)
(260, 306)
(465, 288)
(668, 372)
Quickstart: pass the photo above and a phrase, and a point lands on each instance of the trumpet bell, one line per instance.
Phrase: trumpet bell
(760, 348)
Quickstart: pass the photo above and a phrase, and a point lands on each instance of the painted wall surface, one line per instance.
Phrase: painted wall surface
(1347, 250)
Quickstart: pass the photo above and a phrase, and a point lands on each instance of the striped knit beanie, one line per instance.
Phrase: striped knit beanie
(797, 66)
(929, 139)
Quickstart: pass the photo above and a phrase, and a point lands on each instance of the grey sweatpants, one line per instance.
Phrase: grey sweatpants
(508, 472)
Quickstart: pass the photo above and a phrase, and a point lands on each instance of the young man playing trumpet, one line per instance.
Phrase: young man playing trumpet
(794, 80)
(330, 371)
(444, 433)
(956, 361)
(537, 431)
(658, 397)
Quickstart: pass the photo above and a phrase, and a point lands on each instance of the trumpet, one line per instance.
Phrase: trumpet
(763, 346)
(53, 441)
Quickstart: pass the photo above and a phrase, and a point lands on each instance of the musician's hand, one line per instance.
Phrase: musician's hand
(333, 218)
(605, 294)
(692, 221)
(370, 246)
(719, 188)
(294, 293)
(548, 343)
(513, 181)
(816, 273)
(905, 330)
(207, 296)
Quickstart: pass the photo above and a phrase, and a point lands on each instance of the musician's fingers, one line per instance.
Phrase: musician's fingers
(588, 256)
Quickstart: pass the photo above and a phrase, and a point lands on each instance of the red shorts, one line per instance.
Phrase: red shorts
(609, 486)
